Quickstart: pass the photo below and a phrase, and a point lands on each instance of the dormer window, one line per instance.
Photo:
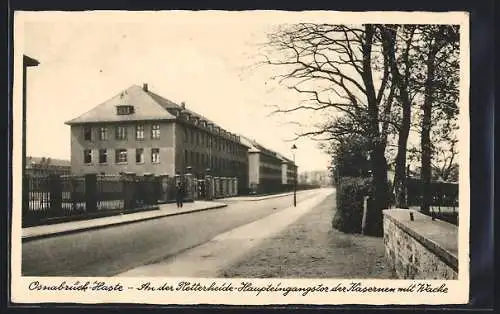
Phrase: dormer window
(124, 110)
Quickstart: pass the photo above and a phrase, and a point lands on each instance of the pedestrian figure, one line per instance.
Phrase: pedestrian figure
(179, 194)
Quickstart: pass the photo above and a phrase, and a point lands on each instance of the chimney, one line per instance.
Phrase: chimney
(145, 87)
(183, 105)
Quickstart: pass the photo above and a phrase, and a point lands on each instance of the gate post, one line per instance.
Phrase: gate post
(188, 185)
(91, 192)
(128, 190)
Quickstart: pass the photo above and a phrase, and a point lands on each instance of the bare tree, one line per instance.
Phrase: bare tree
(403, 82)
(440, 92)
(341, 67)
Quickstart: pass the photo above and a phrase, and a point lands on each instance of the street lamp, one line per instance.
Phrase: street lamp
(27, 62)
(294, 147)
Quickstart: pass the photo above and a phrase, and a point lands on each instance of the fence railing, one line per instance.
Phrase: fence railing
(54, 197)
(444, 198)
(443, 194)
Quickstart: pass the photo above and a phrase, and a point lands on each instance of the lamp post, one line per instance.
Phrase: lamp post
(294, 147)
(27, 62)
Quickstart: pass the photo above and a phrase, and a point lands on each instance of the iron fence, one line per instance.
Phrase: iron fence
(443, 194)
(444, 199)
(56, 197)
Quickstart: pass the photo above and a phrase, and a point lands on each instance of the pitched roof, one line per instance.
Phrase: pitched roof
(168, 104)
(145, 108)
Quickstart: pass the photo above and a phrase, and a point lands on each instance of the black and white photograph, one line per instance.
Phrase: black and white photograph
(251, 157)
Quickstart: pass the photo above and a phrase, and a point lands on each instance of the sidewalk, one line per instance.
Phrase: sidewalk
(258, 198)
(311, 248)
(36, 232)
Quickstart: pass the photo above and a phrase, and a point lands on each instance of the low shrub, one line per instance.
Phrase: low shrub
(349, 198)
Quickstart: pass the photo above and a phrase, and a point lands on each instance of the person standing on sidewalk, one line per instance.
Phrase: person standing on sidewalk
(179, 194)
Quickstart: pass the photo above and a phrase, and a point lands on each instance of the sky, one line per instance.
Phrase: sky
(207, 63)
(205, 59)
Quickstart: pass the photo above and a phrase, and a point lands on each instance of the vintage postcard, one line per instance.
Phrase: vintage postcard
(240, 158)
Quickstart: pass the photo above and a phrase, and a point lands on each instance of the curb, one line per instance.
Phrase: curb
(113, 224)
(262, 198)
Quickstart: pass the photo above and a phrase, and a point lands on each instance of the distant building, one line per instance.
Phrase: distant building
(267, 170)
(44, 166)
(319, 177)
(141, 132)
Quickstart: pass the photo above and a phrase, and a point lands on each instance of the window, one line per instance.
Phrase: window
(103, 156)
(192, 136)
(139, 132)
(139, 155)
(155, 131)
(87, 156)
(186, 137)
(87, 133)
(121, 156)
(155, 155)
(186, 158)
(121, 133)
(103, 134)
(124, 110)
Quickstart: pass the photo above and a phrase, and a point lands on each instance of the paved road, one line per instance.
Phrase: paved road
(208, 259)
(110, 251)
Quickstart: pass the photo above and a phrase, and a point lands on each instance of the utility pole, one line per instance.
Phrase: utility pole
(27, 62)
(294, 147)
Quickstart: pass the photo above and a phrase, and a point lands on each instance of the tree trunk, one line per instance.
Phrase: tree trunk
(402, 83)
(425, 144)
(374, 224)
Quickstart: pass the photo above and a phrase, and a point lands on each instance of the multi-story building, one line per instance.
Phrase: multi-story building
(44, 166)
(319, 177)
(265, 169)
(141, 132)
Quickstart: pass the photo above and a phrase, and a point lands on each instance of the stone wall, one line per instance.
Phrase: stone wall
(420, 248)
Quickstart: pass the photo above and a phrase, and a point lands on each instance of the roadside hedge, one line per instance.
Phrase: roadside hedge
(349, 198)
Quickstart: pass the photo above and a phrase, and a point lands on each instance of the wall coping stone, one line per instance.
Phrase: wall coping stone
(439, 237)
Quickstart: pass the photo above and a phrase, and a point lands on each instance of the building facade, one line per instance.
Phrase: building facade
(141, 132)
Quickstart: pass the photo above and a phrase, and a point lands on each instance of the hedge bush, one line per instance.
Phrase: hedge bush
(350, 193)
